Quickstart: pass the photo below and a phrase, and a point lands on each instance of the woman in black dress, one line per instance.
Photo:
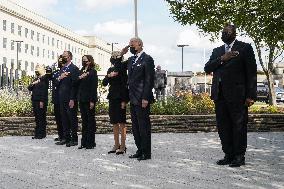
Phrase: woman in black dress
(39, 88)
(116, 78)
(87, 97)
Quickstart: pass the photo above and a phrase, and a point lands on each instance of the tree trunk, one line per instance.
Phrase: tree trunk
(271, 91)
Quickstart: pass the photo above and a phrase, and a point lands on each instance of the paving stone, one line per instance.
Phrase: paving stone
(178, 161)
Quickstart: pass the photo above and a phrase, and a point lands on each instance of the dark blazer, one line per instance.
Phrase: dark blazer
(87, 87)
(55, 87)
(118, 89)
(237, 76)
(67, 86)
(141, 79)
(39, 90)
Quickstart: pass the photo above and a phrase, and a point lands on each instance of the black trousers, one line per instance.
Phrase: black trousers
(88, 125)
(232, 119)
(141, 128)
(40, 119)
(58, 121)
(69, 121)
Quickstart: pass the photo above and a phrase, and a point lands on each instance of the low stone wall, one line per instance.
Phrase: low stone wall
(160, 123)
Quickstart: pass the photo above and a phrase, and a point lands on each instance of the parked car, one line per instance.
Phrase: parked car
(263, 95)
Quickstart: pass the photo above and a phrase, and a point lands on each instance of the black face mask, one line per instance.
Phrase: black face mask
(37, 73)
(133, 50)
(84, 63)
(115, 60)
(227, 38)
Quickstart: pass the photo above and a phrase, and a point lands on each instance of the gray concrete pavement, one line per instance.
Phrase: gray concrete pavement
(178, 161)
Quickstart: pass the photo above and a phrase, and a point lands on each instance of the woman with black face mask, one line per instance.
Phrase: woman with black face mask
(39, 89)
(116, 78)
(87, 97)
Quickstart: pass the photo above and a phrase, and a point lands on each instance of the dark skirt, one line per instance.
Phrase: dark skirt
(116, 114)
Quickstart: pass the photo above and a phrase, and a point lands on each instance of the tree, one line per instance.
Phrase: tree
(261, 20)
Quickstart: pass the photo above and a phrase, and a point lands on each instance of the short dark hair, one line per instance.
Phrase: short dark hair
(234, 28)
(70, 54)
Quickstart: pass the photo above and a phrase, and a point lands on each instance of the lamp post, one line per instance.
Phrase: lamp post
(182, 55)
(111, 45)
(135, 15)
(17, 70)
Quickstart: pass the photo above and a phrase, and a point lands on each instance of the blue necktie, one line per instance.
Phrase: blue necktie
(227, 49)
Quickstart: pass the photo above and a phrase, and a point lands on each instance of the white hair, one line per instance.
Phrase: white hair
(137, 39)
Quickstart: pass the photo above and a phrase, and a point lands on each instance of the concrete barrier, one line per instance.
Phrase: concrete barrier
(160, 123)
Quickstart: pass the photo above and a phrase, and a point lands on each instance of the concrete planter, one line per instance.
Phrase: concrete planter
(160, 123)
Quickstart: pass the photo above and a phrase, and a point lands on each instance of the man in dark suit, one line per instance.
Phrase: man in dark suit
(55, 97)
(233, 91)
(68, 101)
(141, 71)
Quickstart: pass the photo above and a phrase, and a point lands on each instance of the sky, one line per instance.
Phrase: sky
(113, 21)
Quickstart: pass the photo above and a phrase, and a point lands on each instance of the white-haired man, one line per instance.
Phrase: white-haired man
(141, 71)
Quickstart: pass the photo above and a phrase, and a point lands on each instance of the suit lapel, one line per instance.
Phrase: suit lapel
(235, 46)
(140, 58)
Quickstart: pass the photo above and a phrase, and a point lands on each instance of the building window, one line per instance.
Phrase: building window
(32, 34)
(37, 51)
(26, 32)
(12, 45)
(20, 30)
(12, 63)
(43, 53)
(37, 36)
(26, 48)
(12, 28)
(4, 62)
(48, 40)
(32, 66)
(4, 43)
(47, 53)
(43, 36)
(26, 65)
(52, 42)
(52, 55)
(32, 50)
(19, 47)
(4, 25)
(19, 65)
(68, 47)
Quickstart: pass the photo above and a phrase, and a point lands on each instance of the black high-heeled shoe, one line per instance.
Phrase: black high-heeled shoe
(121, 152)
(113, 150)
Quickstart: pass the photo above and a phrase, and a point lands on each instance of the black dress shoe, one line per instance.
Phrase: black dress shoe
(71, 143)
(36, 137)
(135, 156)
(57, 139)
(237, 161)
(90, 147)
(225, 161)
(143, 157)
(62, 142)
(81, 147)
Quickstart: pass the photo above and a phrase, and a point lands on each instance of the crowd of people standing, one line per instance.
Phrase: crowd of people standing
(129, 81)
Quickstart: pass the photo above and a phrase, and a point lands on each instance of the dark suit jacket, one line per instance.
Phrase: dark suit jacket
(87, 90)
(117, 85)
(141, 79)
(39, 90)
(68, 86)
(55, 87)
(238, 75)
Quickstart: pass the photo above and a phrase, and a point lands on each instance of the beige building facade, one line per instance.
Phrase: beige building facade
(40, 41)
